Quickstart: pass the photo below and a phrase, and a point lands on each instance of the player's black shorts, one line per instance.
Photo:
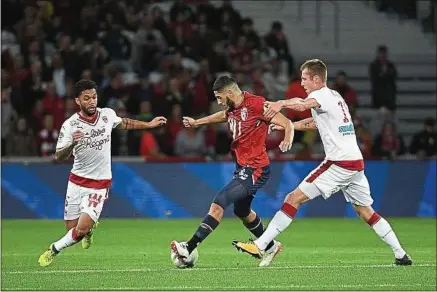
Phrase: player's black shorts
(245, 183)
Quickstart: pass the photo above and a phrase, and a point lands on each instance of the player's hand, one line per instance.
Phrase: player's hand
(157, 122)
(189, 122)
(273, 127)
(271, 109)
(285, 146)
(77, 135)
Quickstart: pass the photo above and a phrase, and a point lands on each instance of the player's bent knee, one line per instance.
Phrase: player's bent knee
(296, 198)
(70, 223)
(242, 212)
(365, 212)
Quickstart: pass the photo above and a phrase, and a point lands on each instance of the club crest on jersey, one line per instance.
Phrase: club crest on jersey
(105, 119)
(244, 113)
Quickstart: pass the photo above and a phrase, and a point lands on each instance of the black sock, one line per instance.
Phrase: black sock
(256, 227)
(207, 226)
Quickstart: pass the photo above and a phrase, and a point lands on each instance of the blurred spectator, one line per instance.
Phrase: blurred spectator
(123, 143)
(202, 89)
(47, 136)
(190, 142)
(388, 144)
(118, 47)
(295, 89)
(242, 53)
(364, 138)
(149, 147)
(145, 112)
(383, 74)
(346, 91)
(174, 126)
(258, 85)
(33, 86)
(148, 44)
(275, 81)
(230, 21)
(58, 75)
(277, 40)
(252, 38)
(8, 116)
(54, 105)
(218, 60)
(21, 140)
(144, 90)
(424, 143)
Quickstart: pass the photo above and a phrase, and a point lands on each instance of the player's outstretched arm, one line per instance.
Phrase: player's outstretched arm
(218, 117)
(129, 124)
(280, 120)
(297, 104)
(305, 125)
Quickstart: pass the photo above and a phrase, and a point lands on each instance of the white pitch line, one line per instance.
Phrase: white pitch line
(211, 269)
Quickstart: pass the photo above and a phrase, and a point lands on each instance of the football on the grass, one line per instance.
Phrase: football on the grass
(184, 263)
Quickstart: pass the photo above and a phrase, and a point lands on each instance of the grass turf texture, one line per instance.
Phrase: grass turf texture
(318, 254)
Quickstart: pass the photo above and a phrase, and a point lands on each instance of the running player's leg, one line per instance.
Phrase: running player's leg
(250, 219)
(242, 208)
(319, 182)
(234, 191)
(253, 223)
(86, 212)
(358, 194)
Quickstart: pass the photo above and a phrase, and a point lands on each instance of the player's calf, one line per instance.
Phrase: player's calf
(383, 229)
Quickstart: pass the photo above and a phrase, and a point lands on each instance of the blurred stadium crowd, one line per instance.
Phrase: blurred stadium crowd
(151, 62)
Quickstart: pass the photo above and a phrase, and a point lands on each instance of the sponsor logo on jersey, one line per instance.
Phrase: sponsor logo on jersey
(244, 113)
(347, 129)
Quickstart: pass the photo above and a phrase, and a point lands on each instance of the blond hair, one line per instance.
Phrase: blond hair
(316, 67)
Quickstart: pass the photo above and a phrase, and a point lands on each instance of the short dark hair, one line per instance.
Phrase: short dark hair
(222, 82)
(82, 85)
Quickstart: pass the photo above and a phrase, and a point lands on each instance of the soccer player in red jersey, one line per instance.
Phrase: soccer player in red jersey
(245, 116)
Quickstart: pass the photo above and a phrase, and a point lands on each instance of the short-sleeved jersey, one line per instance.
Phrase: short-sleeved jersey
(249, 131)
(335, 126)
(92, 155)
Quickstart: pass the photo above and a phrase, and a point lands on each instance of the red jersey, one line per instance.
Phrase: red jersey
(249, 131)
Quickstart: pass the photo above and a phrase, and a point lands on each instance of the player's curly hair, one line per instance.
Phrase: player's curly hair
(82, 85)
(222, 82)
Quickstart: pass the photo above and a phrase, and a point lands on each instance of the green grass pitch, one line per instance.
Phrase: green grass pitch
(318, 254)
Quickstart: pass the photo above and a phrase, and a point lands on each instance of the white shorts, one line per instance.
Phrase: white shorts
(84, 200)
(327, 179)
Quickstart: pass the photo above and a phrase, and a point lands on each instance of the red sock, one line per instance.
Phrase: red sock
(75, 236)
(373, 219)
(289, 210)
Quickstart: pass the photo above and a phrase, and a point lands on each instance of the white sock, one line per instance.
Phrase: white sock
(386, 233)
(278, 224)
(67, 240)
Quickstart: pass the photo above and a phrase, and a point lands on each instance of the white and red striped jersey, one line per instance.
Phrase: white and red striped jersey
(335, 126)
(92, 155)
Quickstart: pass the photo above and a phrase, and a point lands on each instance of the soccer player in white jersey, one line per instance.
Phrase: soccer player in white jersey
(87, 135)
(342, 169)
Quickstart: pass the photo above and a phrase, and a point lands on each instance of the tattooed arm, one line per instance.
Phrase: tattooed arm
(129, 124)
(305, 125)
(65, 152)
